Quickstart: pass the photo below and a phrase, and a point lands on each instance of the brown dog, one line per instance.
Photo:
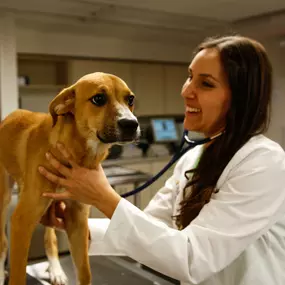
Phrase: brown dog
(87, 117)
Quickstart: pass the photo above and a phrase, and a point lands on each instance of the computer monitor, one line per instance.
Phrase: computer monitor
(164, 130)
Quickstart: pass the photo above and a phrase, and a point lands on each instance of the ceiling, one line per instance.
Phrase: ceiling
(179, 21)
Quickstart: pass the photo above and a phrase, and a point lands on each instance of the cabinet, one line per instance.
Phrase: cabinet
(46, 77)
(152, 167)
(78, 68)
(157, 86)
(174, 78)
(120, 189)
(145, 195)
(149, 88)
(156, 167)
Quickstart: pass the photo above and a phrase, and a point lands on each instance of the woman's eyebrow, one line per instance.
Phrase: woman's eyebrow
(204, 75)
(208, 75)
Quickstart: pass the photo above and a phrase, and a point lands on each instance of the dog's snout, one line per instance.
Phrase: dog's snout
(128, 124)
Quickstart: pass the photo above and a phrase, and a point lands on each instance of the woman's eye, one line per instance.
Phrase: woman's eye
(131, 100)
(207, 84)
(99, 99)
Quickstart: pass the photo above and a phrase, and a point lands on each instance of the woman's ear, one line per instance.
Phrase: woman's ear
(63, 103)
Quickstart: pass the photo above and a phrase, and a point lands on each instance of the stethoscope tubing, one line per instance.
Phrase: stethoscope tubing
(181, 151)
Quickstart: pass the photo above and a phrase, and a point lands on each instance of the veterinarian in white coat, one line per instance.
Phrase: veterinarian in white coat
(230, 227)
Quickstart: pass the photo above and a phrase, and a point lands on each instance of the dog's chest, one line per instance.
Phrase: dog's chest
(94, 150)
(60, 190)
(93, 147)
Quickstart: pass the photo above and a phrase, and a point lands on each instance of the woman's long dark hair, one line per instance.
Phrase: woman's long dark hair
(249, 74)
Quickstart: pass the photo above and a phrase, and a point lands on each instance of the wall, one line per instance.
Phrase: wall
(277, 125)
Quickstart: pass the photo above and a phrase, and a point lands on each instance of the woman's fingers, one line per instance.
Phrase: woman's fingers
(66, 155)
(65, 171)
(58, 196)
(54, 216)
(52, 177)
(54, 219)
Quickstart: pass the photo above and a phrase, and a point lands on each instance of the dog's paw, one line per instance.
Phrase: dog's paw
(57, 276)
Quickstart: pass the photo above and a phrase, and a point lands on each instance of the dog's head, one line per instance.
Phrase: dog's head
(102, 106)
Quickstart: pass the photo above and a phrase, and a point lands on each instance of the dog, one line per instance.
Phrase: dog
(88, 117)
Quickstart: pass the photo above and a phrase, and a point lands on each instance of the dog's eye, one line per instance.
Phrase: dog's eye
(99, 99)
(131, 100)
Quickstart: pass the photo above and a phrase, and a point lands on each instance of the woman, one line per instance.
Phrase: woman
(220, 218)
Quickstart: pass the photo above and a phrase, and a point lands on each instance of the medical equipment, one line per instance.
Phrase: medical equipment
(181, 151)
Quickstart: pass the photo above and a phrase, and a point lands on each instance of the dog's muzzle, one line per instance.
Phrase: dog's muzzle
(127, 130)
(128, 126)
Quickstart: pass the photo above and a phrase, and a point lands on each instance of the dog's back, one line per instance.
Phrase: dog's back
(16, 130)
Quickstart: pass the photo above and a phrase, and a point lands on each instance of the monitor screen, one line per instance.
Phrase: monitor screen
(164, 130)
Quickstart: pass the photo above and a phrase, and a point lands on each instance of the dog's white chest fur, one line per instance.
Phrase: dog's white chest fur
(95, 148)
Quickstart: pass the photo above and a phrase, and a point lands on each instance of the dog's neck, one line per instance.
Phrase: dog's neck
(86, 151)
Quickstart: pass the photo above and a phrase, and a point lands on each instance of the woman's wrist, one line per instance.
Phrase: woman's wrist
(107, 202)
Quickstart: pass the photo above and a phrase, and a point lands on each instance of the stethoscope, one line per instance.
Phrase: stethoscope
(181, 151)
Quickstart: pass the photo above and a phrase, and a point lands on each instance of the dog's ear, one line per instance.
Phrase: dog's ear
(63, 103)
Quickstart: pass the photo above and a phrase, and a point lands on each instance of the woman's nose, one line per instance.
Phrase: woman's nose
(188, 90)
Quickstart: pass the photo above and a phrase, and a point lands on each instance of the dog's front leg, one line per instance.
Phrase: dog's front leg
(57, 275)
(78, 232)
(27, 214)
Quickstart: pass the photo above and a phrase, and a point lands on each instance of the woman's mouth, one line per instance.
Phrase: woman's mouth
(192, 110)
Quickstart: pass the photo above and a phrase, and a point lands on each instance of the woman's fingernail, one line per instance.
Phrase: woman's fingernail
(47, 155)
(41, 168)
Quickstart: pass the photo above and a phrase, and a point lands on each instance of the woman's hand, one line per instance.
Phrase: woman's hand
(55, 216)
(82, 184)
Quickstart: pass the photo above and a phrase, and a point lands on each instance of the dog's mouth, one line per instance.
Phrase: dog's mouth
(113, 139)
(103, 140)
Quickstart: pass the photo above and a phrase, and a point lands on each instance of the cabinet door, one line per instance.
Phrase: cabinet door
(156, 167)
(143, 196)
(149, 89)
(120, 69)
(175, 76)
(121, 189)
(78, 68)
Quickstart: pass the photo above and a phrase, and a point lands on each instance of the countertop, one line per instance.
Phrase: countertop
(134, 160)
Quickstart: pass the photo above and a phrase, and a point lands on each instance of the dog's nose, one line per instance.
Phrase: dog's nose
(128, 124)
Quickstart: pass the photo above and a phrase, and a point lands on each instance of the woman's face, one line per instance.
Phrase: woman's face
(206, 94)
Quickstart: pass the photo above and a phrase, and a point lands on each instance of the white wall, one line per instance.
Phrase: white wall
(8, 66)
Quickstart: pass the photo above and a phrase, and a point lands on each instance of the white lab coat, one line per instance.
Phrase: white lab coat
(238, 237)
